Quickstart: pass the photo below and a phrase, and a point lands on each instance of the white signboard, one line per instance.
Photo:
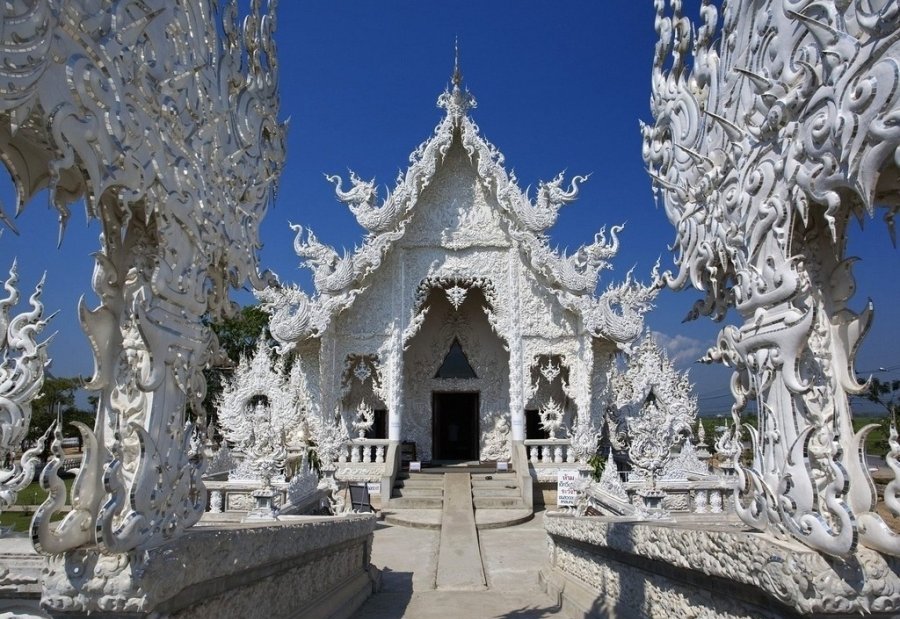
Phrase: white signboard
(565, 488)
(415, 466)
(374, 487)
(503, 466)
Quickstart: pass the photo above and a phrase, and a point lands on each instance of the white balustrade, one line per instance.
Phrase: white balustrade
(549, 451)
(368, 450)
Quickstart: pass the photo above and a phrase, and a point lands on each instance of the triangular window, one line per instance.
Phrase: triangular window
(455, 364)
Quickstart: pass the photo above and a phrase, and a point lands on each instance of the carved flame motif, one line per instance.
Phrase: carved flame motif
(784, 127)
(21, 379)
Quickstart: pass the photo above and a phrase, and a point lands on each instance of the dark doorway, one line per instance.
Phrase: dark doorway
(533, 425)
(379, 428)
(454, 424)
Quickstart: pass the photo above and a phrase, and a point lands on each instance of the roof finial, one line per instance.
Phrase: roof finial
(457, 74)
(456, 101)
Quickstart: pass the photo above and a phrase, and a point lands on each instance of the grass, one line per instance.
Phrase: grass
(876, 442)
(30, 496)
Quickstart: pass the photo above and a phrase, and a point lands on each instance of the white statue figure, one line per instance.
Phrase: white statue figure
(782, 130)
(21, 379)
(654, 409)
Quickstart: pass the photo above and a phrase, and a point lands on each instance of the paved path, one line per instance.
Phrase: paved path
(459, 557)
(511, 558)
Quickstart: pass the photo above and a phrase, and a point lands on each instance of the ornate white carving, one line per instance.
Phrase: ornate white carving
(21, 379)
(551, 416)
(653, 409)
(258, 396)
(340, 278)
(804, 580)
(780, 131)
(365, 419)
(164, 119)
(685, 464)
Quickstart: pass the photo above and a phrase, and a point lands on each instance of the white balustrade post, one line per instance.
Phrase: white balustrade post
(701, 502)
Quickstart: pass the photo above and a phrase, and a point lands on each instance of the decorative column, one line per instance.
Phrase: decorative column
(516, 359)
(164, 119)
(395, 385)
(763, 152)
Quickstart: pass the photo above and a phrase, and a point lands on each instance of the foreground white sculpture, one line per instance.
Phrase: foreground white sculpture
(21, 379)
(762, 153)
(163, 117)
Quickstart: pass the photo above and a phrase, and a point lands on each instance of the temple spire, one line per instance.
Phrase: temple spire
(457, 74)
(457, 101)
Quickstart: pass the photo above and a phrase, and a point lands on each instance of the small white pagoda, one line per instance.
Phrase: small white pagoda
(454, 320)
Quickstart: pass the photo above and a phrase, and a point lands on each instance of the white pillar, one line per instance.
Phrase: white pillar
(395, 405)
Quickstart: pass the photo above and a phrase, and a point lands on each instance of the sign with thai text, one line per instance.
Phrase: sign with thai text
(566, 494)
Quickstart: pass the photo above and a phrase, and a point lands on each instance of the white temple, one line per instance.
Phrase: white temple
(454, 319)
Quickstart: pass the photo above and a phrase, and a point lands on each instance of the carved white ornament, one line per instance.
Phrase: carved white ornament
(162, 116)
(339, 278)
(784, 127)
(21, 379)
(653, 410)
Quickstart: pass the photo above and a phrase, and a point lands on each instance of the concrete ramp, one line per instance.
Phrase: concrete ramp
(459, 565)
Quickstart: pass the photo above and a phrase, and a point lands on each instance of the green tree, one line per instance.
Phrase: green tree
(886, 393)
(58, 393)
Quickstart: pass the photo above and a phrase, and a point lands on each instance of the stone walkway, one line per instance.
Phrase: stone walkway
(511, 557)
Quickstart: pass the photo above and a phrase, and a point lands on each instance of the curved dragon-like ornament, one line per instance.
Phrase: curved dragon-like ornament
(541, 214)
(618, 313)
(763, 148)
(361, 199)
(162, 115)
(21, 380)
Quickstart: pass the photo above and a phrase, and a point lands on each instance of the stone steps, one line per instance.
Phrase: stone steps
(417, 492)
(495, 502)
(509, 477)
(495, 492)
(418, 498)
(415, 503)
(436, 482)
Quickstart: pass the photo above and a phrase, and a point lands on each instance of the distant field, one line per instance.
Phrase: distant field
(876, 443)
(31, 496)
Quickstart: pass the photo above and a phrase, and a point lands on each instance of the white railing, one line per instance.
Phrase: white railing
(550, 451)
(365, 450)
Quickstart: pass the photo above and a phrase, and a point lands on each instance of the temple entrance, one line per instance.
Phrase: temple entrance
(454, 425)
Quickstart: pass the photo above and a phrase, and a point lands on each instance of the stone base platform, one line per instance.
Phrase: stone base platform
(299, 566)
(606, 567)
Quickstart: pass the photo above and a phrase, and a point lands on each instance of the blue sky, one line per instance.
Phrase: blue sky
(559, 86)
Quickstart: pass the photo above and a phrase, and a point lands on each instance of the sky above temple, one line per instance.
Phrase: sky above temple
(560, 86)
